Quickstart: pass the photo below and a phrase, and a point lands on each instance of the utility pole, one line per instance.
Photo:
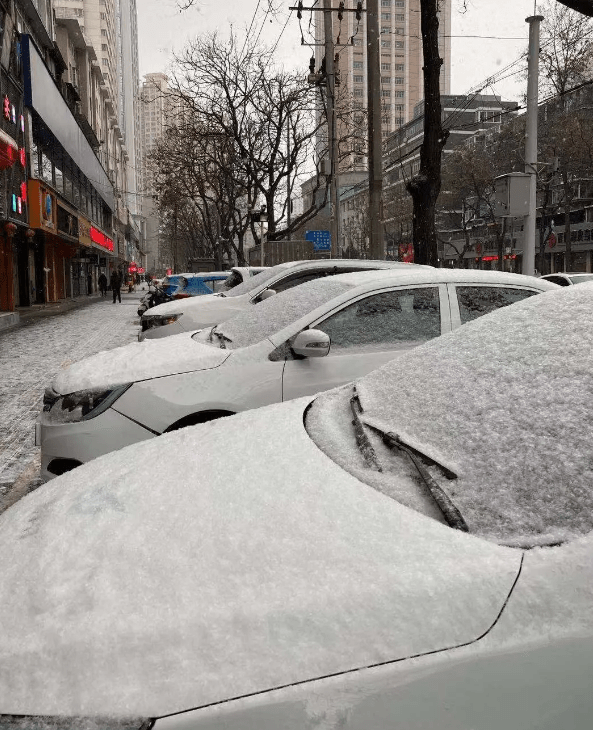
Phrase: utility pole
(531, 144)
(374, 131)
(330, 79)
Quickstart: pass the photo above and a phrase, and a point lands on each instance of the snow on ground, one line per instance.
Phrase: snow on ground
(30, 357)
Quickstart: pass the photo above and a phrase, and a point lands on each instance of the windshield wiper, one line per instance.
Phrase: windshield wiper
(450, 512)
(222, 339)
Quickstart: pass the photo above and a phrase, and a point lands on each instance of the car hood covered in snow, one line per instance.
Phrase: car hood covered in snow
(139, 361)
(131, 588)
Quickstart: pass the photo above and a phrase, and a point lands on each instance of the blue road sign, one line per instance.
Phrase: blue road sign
(321, 240)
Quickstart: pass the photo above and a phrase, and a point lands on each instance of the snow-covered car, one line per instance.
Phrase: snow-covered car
(276, 351)
(172, 318)
(567, 278)
(410, 551)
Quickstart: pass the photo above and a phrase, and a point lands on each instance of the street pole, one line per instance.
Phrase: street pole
(374, 130)
(531, 144)
(331, 124)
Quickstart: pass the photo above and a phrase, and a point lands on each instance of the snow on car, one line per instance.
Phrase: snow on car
(172, 318)
(412, 550)
(304, 340)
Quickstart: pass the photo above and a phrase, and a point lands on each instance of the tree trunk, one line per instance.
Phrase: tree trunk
(426, 185)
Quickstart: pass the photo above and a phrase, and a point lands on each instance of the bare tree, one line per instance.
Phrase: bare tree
(566, 50)
(267, 117)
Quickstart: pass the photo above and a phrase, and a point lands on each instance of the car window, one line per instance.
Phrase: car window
(296, 280)
(474, 301)
(383, 320)
(558, 280)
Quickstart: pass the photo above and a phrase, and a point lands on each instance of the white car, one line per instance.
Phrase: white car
(567, 278)
(273, 352)
(261, 573)
(172, 318)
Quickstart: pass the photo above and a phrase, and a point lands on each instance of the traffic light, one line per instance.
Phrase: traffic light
(581, 6)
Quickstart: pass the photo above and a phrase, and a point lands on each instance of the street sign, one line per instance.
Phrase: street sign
(321, 240)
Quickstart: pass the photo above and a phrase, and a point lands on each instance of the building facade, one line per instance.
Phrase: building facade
(68, 206)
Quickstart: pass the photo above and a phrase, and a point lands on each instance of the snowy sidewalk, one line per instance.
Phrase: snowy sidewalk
(30, 357)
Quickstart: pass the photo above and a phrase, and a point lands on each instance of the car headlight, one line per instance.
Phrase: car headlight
(158, 320)
(82, 405)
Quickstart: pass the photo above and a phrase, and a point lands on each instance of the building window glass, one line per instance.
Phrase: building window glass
(46, 169)
(358, 79)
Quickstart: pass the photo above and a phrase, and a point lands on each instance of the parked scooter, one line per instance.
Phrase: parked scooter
(152, 298)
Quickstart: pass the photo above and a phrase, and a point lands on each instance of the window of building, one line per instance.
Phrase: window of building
(385, 16)
(103, 16)
(399, 80)
(400, 17)
(357, 41)
(399, 44)
(385, 92)
(385, 67)
(357, 64)
(399, 107)
(385, 44)
(398, 31)
(385, 29)
(399, 66)
(104, 47)
(400, 4)
(103, 31)
(357, 92)
(385, 79)
(399, 93)
(385, 3)
(358, 79)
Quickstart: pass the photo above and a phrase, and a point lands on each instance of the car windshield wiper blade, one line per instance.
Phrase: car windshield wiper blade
(222, 339)
(450, 512)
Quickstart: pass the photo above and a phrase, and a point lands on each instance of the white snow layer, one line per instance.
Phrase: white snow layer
(139, 361)
(158, 579)
(505, 401)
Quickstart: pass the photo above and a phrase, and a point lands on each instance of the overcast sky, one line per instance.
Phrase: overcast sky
(487, 38)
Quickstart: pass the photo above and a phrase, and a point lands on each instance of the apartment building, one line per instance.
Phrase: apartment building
(110, 33)
(153, 117)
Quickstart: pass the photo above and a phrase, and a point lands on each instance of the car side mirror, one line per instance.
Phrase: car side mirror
(266, 294)
(311, 343)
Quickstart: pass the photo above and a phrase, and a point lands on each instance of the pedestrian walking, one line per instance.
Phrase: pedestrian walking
(115, 281)
(103, 284)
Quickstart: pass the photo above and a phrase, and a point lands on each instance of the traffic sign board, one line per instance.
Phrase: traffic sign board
(321, 240)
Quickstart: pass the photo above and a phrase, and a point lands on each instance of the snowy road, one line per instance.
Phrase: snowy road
(30, 356)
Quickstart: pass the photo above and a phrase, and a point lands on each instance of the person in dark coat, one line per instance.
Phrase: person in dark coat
(115, 282)
(103, 284)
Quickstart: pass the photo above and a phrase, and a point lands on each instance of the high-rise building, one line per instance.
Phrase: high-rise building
(401, 62)
(153, 118)
(110, 28)
(99, 22)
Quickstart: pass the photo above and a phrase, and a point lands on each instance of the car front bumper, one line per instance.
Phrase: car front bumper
(69, 444)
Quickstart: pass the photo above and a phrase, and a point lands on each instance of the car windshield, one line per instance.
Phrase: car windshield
(273, 314)
(252, 282)
(485, 406)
